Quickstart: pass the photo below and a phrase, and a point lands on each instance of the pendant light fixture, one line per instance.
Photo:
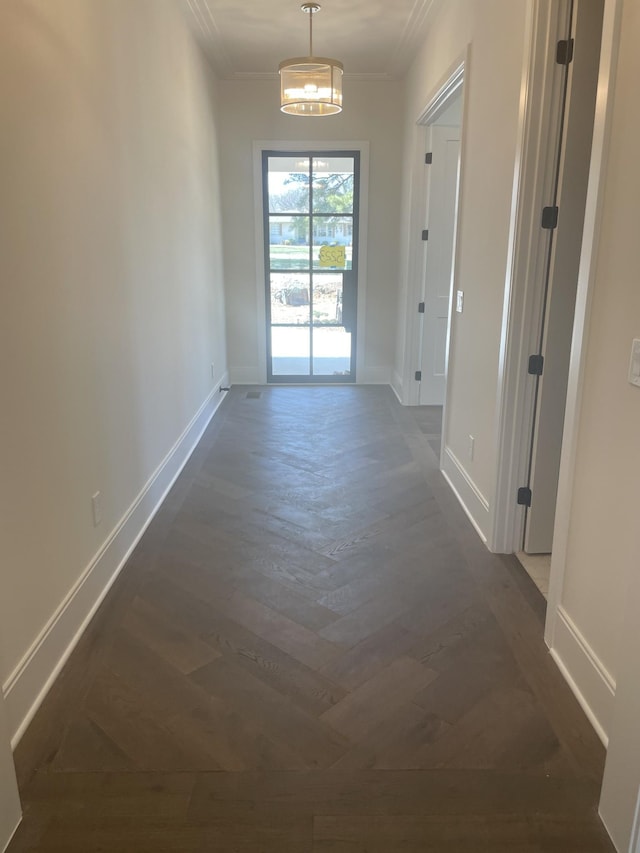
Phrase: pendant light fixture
(311, 85)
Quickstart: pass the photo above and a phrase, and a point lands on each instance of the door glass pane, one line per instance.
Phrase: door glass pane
(288, 182)
(310, 220)
(327, 299)
(290, 351)
(331, 351)
(289, 242)
(290, 298)
(332, 242)
(333, 184)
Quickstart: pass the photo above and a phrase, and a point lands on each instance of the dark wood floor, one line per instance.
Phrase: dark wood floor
(311, 650)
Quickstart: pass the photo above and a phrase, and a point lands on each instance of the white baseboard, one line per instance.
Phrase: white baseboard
(586, 675)
(29, 683)
(4, 845)
(366, 376)
(471, 498)
(246, 376)
(397, 387)
(634, 847)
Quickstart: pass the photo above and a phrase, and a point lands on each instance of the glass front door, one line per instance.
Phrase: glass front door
(311, 250)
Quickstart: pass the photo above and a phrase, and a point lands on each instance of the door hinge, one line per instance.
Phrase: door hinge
(428, 158)
(549, 217)
(564, 52)
(536, 363)
(425, 234)
(524, 496)
(418, 375)
(420, 307)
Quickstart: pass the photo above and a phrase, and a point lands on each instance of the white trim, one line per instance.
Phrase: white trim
(258, 226)
(440, 98)
(396, 386)
(10, 839)
(363, 215)
(207, 32)
(634, 846)
(589, 679)
(444, 93)
(534, 178)
(413, 248)
(586, 279)
(460, 77)
(471, 498)
(361, 76)
(29, 683)
(413, 35)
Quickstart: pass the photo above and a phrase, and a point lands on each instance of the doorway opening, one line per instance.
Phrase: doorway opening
(434, 217)
(542, 300)
(562, 225)
(442, 144)
(311, 223)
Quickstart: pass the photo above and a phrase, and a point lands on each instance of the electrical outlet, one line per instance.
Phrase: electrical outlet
(472, 442)
(96, 507)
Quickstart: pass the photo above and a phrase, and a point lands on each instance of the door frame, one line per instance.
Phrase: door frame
(561, 272)
(520, 323)
(289, 146)
(539, 122)
(586, 279)
(433, 222)
(312, 378)
(441, 97)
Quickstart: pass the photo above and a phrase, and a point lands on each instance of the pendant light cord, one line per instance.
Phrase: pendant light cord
(310, 32)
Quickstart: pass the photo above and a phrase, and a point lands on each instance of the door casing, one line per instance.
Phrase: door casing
(444, 94)
(440, 221)
(350, 276)
(523, 301)
(559, 308)
(289, 146)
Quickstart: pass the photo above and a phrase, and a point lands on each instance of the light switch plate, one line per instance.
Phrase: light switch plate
(634, 364)
(459, 301)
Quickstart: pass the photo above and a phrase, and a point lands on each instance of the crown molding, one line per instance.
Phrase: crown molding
(413, 35)
(211, 39)
(208, 34)
(273, 75)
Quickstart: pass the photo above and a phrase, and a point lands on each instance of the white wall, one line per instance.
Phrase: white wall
(111, 307)
(601, 592)
(495, 32)
(372, 112)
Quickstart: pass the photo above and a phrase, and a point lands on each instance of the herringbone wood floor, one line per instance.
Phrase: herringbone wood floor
(311, 650)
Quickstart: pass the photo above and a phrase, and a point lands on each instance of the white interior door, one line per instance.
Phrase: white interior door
(10, 811)
(563, 278)
(441, 217)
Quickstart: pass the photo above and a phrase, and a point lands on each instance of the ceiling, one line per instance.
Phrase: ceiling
(374, 39)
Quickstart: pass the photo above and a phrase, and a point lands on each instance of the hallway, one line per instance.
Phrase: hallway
(312, 650)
